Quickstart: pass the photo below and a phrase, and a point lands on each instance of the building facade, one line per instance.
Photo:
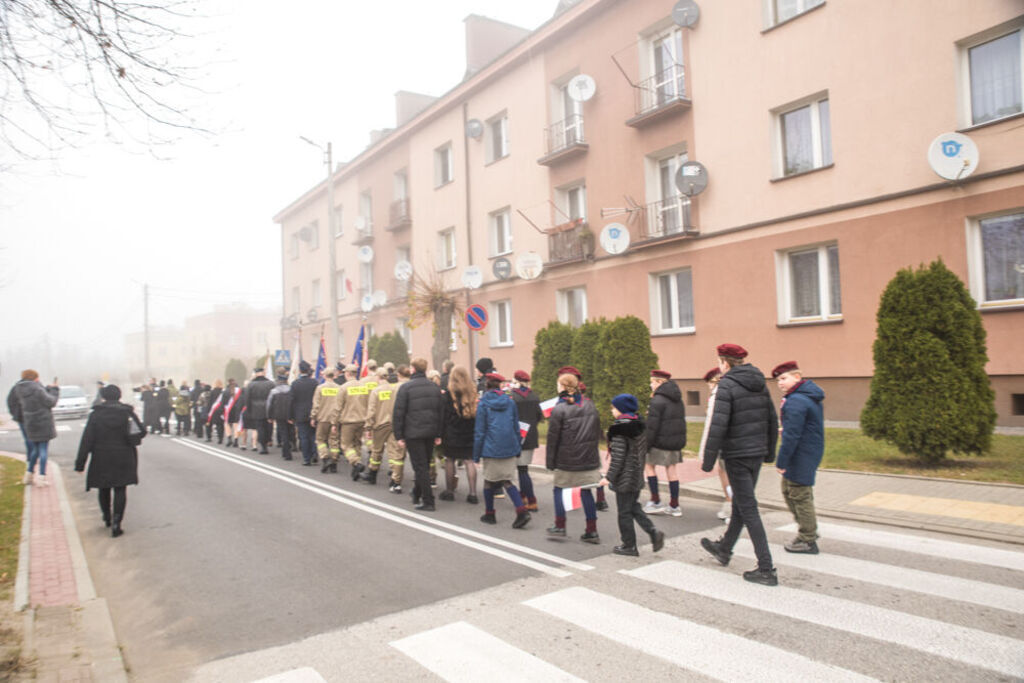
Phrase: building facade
(819, 185)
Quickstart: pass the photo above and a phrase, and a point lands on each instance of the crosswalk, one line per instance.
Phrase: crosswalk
(703, 621)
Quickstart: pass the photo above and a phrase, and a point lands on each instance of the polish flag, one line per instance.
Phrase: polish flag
(548, 405)
(571, 499)
(524, 429)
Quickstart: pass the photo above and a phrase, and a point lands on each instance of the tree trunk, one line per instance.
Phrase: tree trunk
(441, 348)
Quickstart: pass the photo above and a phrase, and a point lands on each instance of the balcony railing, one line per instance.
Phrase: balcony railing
(571, 241)
(565, 134)
(399, 215)
(364, 235)
(667, 217)
(661, 90)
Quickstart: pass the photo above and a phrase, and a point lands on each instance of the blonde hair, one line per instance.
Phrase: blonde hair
(568, 382)
(30, 375)
(463, 392)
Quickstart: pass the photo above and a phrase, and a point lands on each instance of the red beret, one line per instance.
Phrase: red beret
(711, 374)
(494, 376)
(732, 350)
(783, 368)
(570, 370)
(522, 376)
(582, 387)
(661, 374)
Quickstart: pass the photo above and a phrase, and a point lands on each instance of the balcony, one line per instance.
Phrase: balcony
(399, 215)
(570, 241)
(668, 218)
(564, 140)
(364, 233)
(659, 96)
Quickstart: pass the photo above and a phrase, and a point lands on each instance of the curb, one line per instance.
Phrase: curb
(21, 578)
(918, 477)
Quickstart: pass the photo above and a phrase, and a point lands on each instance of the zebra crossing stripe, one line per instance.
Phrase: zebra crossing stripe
(967, 645)
(914, 580)
(921, 545)
(462, 652)
(686, 644)
(304, 675)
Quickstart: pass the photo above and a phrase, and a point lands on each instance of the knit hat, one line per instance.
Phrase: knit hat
(110, 392)
(626, 403)
(711, 374)
(732, 350)
(305, 367)
(783, 368)
(521, 376)
(485, 365)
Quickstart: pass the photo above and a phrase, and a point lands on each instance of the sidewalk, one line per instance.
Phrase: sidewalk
(68, 632)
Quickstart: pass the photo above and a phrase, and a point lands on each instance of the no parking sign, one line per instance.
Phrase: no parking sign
(476, 317)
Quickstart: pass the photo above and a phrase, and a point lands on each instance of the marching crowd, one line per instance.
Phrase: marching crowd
(431, 416)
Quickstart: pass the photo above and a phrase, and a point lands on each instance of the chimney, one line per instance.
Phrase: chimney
(409, 104)
(379, 134)
(487, 39)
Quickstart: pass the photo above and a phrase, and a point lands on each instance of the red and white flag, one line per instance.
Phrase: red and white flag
(548, 405)
(571, 499)
(524, 429)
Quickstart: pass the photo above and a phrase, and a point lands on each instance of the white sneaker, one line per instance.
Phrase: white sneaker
(652, 508)
(27, 481)
(726, 510)
(674, 511)
(42, 480)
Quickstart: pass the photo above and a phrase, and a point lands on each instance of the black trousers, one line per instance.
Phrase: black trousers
(307, 440)
(284, 431)
(183, 422)
(120, 500)
(743, 473)
(630, 511)
(420, 453)
(264, 432)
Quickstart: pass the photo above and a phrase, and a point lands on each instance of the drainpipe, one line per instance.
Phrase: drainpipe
(469, 230)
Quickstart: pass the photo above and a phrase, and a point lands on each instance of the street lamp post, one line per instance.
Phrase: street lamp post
(331, 250)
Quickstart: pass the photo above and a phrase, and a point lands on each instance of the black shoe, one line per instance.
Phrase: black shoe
(590, 537)
(713, 547)
(446, 495)
(602, 505)
(306, 464)
(286, 457)
(315, 460)
(765, 577)
(106, 519)
(488, 518)
(628, 550)
(426, 507)
(266, 452)
(371, 477)
(522, 519)
(804, 547)
(472, 500)
(115, 530)
(243, 448)
(334, 468)
(325, 467)
(657, 540)
(357, 468)
(556, 531)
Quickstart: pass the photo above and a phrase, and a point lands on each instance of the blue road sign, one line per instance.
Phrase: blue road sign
(476, 317)
(282, 357)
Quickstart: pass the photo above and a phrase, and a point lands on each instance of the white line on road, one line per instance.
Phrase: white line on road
(63, 428)
(967, 645)
(686, 644)
(460, 652)
(914, 580)
(352, 500)
(921, 545)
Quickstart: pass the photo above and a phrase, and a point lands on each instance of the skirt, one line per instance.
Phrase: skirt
(564, 479)
(657, 456)
(497, 470)
(525, 458)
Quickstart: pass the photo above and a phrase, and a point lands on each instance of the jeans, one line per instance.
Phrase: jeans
(630, 510)
(421, 452)
(37, 451)
(307, 440)
(743, 474)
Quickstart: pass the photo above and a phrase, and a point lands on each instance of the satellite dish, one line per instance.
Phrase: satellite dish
(529, 265)
(615, 238)
(366, 303)
(953, 156)
(474, 128)
(306, 233)
(692, 178)
(581, 88)
(359, 223)
(472, 277)
(403, 271)
(365, 254)
(380, 297)
(311, 315)
(502, 268)
(685, 13)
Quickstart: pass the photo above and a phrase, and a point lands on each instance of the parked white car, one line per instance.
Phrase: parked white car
(72, 402)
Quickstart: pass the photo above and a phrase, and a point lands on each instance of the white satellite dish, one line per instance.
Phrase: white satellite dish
(359, 223)
(474, 128)
(529, 265)
(366, 303)
(365, 254)
(581, 88)
(472, 277)
(380, 297)
(615, 238)
(403, 271)
(953, 156)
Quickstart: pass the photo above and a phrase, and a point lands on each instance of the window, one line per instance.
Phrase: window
(996, 79)
(669, 211)
(570, 113)
(784, 10)
(339, 224)
(342, 285)
(497, 137)
(400, 185)
(402, 328)
(501, 323)
(693, 398)
(446, 249)
(805, 137)
(1017, 404)
(672, 299)
(314, 235)
(402, 286)
(571, 203)
(572, 306)
(293, 245)
(444, 172)
(366, 212)
(809, 278)
(501, 232)
(667, 66)
(296, 299)
(315, 292)
(366, 278)
(996, 258)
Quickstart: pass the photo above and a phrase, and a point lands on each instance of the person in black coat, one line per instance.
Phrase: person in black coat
(163, 407)
(302, 407)
(743, 432)
(255, 407)
(416, 424)
(666, 436)
(111, 437)
(279, 411)
(530, 414)
(457, 433)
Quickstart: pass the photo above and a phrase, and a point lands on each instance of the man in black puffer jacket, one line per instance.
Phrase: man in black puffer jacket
(743, 432)
(416, 424)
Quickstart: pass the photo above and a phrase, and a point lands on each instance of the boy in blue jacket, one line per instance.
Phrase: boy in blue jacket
(800, 452)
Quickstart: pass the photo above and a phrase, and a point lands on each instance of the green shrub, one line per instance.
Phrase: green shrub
(236, 370)
(551, 350)
(388, 347)
(623, 363)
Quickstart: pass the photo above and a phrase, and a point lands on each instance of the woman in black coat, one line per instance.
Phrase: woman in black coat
(111, 436)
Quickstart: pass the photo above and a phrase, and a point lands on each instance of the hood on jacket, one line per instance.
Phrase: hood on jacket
(810, 390)
(628, 428)
(747, 376)
(495, 401)
(670, 390)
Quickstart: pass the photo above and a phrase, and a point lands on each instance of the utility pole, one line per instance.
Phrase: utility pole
(145, 328)
(332, 256)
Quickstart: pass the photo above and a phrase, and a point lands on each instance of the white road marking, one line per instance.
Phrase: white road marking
(686, 644)
(63, 428)
(921, 545)
(304, 675)
(461, 652)
(394, 514)
(914, 580)
(967, 645)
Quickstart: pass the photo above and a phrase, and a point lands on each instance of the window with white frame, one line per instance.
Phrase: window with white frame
(569, 114)
(667, 65)
(402, 328)
(366, 278)
(400, 185)
(809, 287)
(402, 286)
(444, 171)
(366, 212)
(501, 323)
(497, 137)
(779, 11)
(571, 202)
(296, 299)
(996, 259)
(315, 292)
(339, 224)
(672, 299)
(293, 245)
(342, 285)
(995, 77)
(446, 249)
(571, 304)
(501, 232)
(804, 136)
(314, 235)
(668, 211)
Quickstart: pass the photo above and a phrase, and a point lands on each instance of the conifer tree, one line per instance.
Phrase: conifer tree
(386, 347)
(930, 394)
(584, 354)
(625, 360)
(551, 351)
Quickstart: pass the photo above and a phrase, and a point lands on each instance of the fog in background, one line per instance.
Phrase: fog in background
(80, 235)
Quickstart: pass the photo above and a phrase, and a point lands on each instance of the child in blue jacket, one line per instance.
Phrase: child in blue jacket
(496, 441)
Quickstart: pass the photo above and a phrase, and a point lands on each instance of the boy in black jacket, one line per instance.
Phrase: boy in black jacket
(627, 451)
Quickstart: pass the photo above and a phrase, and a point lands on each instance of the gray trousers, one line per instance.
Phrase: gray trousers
(800, 499)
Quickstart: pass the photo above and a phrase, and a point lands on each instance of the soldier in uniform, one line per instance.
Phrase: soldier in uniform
(324, 418)
(354, 397)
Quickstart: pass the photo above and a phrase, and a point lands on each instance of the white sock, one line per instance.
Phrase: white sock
(728, 492)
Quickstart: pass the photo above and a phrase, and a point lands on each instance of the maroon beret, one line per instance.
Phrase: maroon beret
(732, 350)
(494, 376)
(522, 376)
(711, 374)
(661, 374)
(570, 370)
(783, 368)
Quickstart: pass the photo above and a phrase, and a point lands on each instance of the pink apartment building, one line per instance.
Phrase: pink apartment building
(813, 119)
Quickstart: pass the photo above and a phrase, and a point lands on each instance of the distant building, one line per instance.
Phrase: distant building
(168, 354)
